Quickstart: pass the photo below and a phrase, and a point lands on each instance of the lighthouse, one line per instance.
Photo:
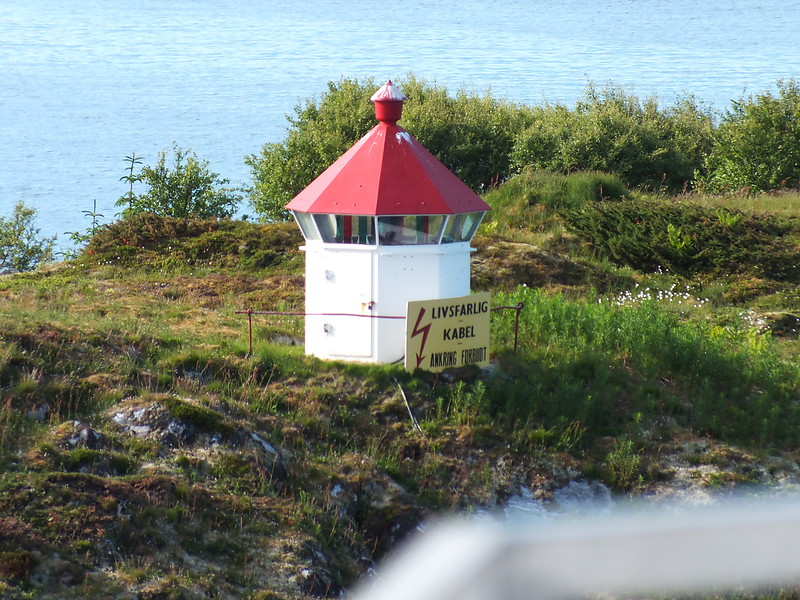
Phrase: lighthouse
(386, 224)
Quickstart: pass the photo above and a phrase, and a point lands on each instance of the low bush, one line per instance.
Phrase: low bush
(688, 239)
(757, 145)
(145, 230)
(168, 241)
(21, 248)
(622, 466)
(613, 131)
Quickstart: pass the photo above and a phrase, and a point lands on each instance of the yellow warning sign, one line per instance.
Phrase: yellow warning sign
(446, 333)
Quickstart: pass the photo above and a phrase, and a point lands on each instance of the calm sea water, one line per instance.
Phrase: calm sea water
(87, 82)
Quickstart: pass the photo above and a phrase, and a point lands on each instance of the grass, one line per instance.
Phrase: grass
(525, 208)
(653, 342)
(585, 358)
(786, 202)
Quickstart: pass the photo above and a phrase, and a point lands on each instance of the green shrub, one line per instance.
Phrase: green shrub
(587, 187)
(757, 145)
(21, 248)
(471, 134)
(319, 132)
(688, 239)
(621, 467)
(612, 131)
(186, 190)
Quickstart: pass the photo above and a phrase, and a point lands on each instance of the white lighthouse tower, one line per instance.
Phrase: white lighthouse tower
(385, 224)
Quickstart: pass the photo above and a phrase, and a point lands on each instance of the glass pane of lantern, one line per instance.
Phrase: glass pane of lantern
(326, 224)
(434, 226)
(346, 229)
(306, 223)
(410, 229)
(471, 223)
(390, 231)
(361, 231)
(461, 228)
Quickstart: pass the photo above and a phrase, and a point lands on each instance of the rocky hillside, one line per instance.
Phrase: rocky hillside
(144, 454)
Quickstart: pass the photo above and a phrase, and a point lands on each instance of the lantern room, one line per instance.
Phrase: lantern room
(385, 224)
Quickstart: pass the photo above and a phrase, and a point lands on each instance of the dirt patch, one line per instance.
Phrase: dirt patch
(498, 264)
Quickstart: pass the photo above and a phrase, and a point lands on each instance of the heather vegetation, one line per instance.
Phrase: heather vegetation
(145, 452)
(689, 240)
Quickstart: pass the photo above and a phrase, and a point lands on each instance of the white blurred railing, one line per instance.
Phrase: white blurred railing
(727, 546)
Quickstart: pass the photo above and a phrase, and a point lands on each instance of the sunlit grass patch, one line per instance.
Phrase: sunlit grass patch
(785, 202)
(734, 383)
(525, 208)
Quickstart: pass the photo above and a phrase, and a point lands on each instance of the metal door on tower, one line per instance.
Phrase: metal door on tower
(348, 294)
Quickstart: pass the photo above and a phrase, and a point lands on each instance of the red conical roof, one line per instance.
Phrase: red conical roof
(387, 172)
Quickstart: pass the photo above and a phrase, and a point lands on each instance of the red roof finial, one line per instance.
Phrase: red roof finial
(388, 103)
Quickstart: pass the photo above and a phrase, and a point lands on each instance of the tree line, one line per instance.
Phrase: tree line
(486, 140)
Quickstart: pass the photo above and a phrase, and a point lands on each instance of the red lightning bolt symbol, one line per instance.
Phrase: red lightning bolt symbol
(424, 331)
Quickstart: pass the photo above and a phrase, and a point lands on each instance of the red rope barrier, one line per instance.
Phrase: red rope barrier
(250, 314)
